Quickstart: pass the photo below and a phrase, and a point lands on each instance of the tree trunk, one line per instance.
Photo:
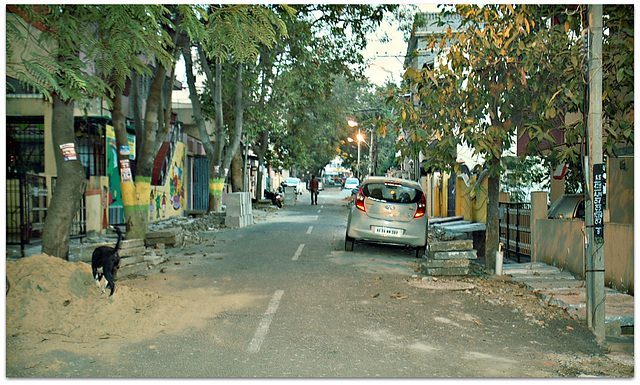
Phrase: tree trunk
(237, 176)
(216, 174)
(70, 184)
(135, 195)
(493, 229)
(239, 120)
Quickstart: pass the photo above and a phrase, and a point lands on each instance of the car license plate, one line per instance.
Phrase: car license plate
(386, 231)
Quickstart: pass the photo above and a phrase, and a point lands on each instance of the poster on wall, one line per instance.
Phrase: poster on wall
(68, 152)
(125, 171)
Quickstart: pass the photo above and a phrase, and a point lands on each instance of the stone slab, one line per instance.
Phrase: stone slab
(439, 220)
(618, 307)
(455, 245)
(165, 233)
(465, 227)
(132, 251)
(447, 271)
(469, 254)
(440, 263)
(534, 283)
(131, 260)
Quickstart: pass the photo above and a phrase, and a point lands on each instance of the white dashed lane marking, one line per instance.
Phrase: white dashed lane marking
(263, 328)
(298, 252)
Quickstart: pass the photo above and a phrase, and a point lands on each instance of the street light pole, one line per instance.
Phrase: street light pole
(353, 123)
(358, 166)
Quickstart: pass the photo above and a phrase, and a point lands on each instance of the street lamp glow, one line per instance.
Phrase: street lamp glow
(360, 137)
(352, 123)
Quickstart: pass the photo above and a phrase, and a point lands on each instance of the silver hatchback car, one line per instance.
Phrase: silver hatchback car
(389, 210)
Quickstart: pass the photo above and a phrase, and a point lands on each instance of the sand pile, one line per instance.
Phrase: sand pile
(55, 304)
(50, 296)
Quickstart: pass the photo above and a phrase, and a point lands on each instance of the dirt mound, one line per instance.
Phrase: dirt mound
(51, 296)
(55, 304)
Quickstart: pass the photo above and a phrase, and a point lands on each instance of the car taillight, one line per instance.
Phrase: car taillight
(422, 208)
(360, 201)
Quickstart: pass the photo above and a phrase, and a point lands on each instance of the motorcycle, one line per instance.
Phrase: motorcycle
(276, 198)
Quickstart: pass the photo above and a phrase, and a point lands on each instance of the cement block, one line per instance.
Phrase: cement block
(234, 222)
(237, 210)
(234, 199)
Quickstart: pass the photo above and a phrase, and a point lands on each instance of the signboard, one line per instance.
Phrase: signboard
(598, 203)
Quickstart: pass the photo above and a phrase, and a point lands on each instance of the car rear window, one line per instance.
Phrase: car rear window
(391, 192)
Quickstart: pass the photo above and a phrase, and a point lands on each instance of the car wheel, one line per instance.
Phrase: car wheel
(420, 251)
(348, 243)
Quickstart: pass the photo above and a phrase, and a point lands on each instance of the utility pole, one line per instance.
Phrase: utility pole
(594, 219)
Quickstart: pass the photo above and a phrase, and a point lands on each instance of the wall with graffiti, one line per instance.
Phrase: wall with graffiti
(165, 200)
(169, 199)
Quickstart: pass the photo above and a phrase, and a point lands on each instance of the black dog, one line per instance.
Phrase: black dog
(105, 261)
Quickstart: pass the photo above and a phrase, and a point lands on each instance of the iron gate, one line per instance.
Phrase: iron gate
(198, 197)
(27, 202)
(515, 229)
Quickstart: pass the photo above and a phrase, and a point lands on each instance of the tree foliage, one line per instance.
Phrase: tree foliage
(511, 68)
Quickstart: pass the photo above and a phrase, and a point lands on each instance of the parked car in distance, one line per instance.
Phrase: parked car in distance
(568, 206)
(293, 182)
(351, 183)
(389, 210)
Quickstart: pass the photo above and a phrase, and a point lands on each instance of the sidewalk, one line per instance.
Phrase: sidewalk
(562, 289)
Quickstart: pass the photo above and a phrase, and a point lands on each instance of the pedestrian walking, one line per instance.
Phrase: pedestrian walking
(313, 188)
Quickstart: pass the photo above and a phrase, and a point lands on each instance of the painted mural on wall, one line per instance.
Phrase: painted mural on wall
(169, 199)
(166, 200)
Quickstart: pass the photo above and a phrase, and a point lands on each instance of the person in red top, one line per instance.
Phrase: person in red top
(313, 188)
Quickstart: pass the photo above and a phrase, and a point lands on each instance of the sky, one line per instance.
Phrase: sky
(388, 58)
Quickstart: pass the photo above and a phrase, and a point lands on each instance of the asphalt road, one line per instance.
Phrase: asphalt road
(320, 311)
